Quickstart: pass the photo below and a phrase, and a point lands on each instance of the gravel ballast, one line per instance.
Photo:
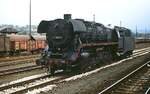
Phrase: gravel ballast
(94, 83)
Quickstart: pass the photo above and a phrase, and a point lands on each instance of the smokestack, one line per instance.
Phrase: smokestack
(67, 16)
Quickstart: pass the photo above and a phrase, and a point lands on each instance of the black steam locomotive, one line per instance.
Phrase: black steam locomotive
(72, 39)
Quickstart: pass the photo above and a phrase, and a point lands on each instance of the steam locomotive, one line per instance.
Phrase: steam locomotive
(69, 40)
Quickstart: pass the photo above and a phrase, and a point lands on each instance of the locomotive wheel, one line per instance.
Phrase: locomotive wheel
(127, 54)
(84, 64)
(51, 70)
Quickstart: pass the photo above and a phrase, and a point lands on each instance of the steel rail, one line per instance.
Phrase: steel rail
(122, 79)
(147, 91)
(17, 70)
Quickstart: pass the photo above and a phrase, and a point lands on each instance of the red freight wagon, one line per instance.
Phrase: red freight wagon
(21, 43)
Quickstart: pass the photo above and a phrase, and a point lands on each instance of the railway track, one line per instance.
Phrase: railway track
(147, 91)
(136, 82)
(22, 61)
(18, 70)
(8, 59)
(30, 83)
(138, 50)
(33, 58)
(141, 51)
(26, 85)
(34, 67)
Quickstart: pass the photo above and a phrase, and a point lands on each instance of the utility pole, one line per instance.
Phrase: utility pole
(30, 28)
(31, 39)
(94, 18)
(136, 31)
(120, 23)
(145, 32)
(30, 19)
(93, 23)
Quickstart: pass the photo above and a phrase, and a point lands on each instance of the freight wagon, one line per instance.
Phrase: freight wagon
(15, 44)
(4, 44)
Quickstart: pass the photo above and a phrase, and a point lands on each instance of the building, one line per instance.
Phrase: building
(8, 30)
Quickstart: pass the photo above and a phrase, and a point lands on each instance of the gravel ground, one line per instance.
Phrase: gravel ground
(12, 77)
(142, 45)
(94, 83)
(25, 64)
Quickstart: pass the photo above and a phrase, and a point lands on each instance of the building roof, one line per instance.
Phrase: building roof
(8, 30)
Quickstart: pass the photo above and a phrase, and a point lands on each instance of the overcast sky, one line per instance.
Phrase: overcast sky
(129, 12)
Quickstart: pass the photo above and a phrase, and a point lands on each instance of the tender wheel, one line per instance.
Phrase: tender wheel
(51, 70)
(84, 65)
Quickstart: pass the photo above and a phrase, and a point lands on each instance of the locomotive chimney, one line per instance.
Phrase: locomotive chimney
(67, 16)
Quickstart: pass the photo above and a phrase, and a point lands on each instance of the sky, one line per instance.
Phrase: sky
(130, 13)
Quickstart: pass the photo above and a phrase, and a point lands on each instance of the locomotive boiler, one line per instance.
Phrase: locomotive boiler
(69, 40)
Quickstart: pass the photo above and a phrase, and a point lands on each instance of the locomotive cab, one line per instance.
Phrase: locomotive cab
(126, 41)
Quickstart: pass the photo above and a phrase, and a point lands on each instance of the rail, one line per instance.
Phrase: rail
(147, 91)
(122, 79)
